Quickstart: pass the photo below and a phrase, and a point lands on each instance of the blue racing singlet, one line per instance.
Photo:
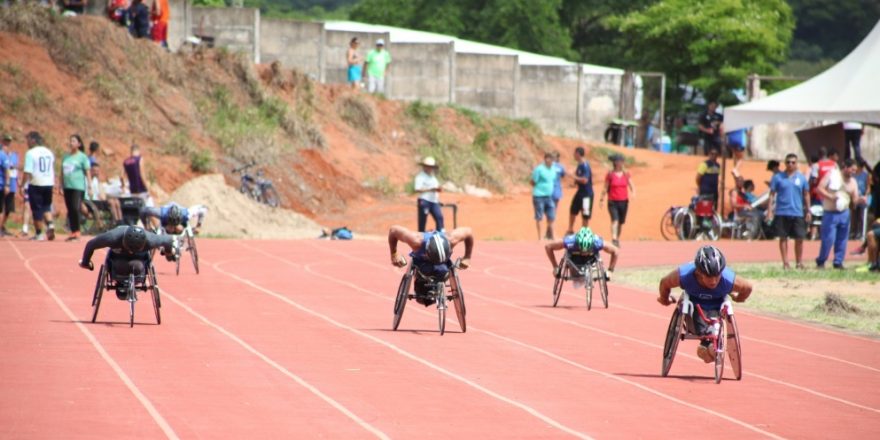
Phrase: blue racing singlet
(420, 258)
(163, 214)
(572, 248)
(708, 299)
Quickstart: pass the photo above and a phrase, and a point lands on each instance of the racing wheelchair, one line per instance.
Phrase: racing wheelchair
(130, 283)
(587, 268)
(442, 289)
(723, 335)
(183, 242)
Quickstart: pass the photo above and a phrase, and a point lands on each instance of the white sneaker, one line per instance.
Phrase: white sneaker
(40, 237)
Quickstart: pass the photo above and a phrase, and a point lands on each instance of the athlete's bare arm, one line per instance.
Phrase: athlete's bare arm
(551, 249)
(668, 283)
(614, 251)
(742, 288)
(463, 234)
(399, 233)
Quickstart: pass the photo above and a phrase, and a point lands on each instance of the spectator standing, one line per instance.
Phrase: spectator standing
(6, 189)
(543, 177)
(875, 191)
(789, 210)
(134, 173)
(139, 16)
(707, 176)
(39, 175)
(863, 179)
(376, 65)
(582, 201)
(711, 128)
(852, 135)
(160, 14)
(618, 185)
(76, 173)
(839, 192)
(428, 188)
(557, 184)
(827, 163)
(354, 60)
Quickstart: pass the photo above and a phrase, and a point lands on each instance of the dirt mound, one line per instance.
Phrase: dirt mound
(232, 214)
(836, 304)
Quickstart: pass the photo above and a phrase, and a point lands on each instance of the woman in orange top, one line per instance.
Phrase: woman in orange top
(618, 185)
(161, 14)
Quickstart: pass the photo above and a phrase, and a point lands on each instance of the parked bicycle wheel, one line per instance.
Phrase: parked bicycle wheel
(686, 225)
(667, 226)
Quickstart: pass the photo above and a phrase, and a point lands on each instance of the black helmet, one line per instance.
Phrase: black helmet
(175, 217)
(438, 249)
(134, 240)
(710, 261)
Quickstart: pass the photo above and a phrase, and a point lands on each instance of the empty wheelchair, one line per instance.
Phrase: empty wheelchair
(129, 284)
(441, 289)
(723, 335)
(586, 269)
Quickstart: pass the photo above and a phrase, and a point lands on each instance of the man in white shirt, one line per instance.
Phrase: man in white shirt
(428, 188)
(39, 179)
(840, 193)
(852, 134)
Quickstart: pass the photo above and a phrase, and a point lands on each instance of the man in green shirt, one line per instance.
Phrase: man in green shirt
(376, 64)
(543, 180)
(75, 172)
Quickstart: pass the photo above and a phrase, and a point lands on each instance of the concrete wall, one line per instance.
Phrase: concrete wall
(180, 23)
(487, 83)
(293, 43)
(237, 29)
(422, 72)
(336, 46)
(548, 95)
(599, 103)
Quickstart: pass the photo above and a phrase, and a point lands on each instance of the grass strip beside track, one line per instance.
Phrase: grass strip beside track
(795, 293)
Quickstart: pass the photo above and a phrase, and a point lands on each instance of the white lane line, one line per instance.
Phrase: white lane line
(596, 329)
(746, 312)
(488, 271)
(616, 335)
(299, 380)
(308, 268)
(154, 413)
(404, 353)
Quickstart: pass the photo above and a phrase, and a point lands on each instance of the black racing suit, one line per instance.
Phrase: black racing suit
(122, 262)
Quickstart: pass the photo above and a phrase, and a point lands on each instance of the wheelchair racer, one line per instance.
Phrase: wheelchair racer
(582, 249)
(129, 251)
(431, 255)
(174, 218)
(707, 281)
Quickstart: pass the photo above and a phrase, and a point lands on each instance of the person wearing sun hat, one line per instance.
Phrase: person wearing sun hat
(428, 188)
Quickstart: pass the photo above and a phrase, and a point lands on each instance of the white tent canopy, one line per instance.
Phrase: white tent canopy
(848, 91)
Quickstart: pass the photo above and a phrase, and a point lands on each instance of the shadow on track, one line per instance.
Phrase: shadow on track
(104, 323)
(672, 376)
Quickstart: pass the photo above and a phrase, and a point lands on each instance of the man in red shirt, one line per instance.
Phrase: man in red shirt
(827, 163)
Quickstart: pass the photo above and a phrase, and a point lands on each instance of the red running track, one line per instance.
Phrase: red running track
(280, 339)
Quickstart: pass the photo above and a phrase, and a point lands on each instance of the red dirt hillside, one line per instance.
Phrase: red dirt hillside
(338, 156)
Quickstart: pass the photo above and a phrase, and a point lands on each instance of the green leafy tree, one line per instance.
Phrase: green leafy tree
(711, 45)
(831, 28)
(211, 3)
(593, 39)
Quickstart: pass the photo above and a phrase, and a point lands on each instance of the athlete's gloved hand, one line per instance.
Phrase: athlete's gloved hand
(665, 302)
(398, 260)
(464, 263)
(87, 265)
(608, 274)
(170, 257)
(556, 271)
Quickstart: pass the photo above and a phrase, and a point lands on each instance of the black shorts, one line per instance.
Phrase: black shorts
(8, 203)
(617, 209)
(577, 205)
(41, 200)
(790, 227)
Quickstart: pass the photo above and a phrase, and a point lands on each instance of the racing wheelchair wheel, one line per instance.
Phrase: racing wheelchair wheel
(177, 253)
(603, 283)
(588, 284)
(193, 252)
(734, 350)
(132, 298)
(673, 336)
(559, 282)
(441, 308)
(154, 290)
(458, 301)
(402, 298)
(667, 226)
(721, 343)
(99, 292)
